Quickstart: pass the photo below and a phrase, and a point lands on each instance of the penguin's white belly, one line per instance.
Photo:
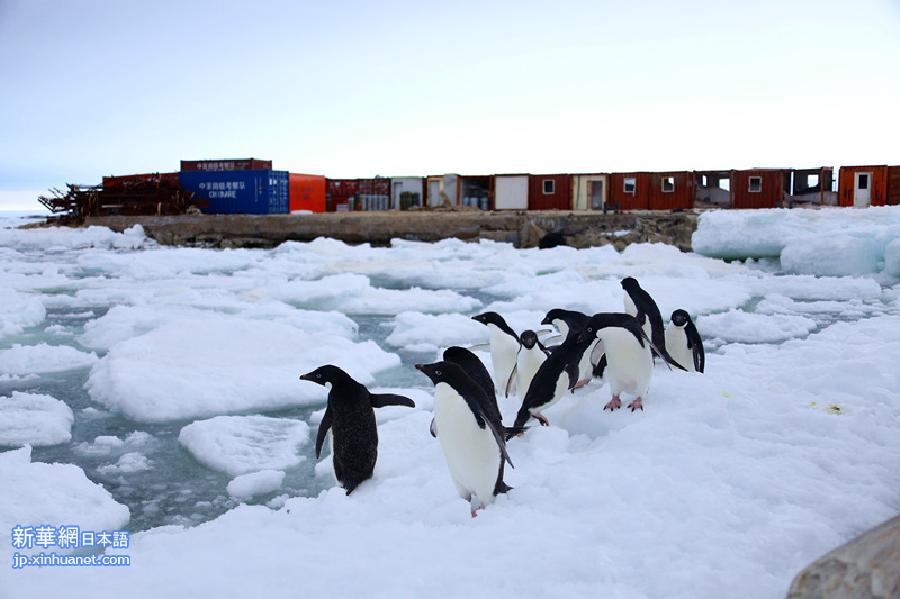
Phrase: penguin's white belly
(630, 308)
(503, 357)
(527, 365)
(562, 327)
(676, 345)
(472, 455)
(628, 365)
(586, 364)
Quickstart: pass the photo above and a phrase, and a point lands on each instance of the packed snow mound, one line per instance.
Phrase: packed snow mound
(34, 419)
(35, 493)
(892, 258)
(19, 310)
(738, 326)
(429, 332)
(68, 238)
(246, 486)
(838, 256)
(121, 323)
(829, 241)
(353, 294)
(240, 444)
(29, 359)
(755, 468)
(127, 463)
(223, 364)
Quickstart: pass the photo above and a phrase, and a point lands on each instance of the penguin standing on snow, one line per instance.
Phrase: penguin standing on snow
(556, 375)
(684, 342)
(639, 304)
(473, 367)
(629, 361)
(567, 322)
(572, 322)
(531, 356)
(504, 345)
(350, 417)
(471, 435)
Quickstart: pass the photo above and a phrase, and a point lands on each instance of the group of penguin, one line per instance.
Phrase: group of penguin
(616, 346)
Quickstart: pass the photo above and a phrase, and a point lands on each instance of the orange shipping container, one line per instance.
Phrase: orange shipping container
(876, 185)
(306, 192)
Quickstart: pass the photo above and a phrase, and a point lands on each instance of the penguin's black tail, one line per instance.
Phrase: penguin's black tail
(513, 431)
(501, 487)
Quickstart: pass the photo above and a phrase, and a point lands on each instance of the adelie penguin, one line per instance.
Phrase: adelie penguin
(629, 361)
(639, 304)
(470, 433)
(504, 344)
(476, 371)
(556, 375)
(350, 417)
(530, 357)
(570, 323)
(684, 342)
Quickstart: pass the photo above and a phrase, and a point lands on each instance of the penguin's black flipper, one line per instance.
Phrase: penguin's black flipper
(696, 344)
(510, 383)
(323, 430)
(433, 429)
(381, 400)
(572, 372)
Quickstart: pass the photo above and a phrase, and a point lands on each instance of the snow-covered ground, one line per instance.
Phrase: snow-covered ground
(180, 367)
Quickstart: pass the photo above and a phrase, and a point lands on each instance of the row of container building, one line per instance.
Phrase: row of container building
(252, 186)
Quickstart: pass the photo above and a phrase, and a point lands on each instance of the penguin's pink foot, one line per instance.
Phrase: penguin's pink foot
(582, 383)
(474, 513)
(636, 405)
(542, 419)
(614, 404)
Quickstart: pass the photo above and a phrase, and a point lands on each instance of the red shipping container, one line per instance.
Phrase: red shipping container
(629, 191)
(759, 188)
(143, 181)
(549, 192)
(670, 191)
(340, 193)
(306, 192)
(227, 164)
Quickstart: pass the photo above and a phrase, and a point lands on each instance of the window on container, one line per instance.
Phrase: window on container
(863, 181)
(668, 184)
(704, 181)
(812, 181)
(629, 185)
(549, 186)
(755, 184)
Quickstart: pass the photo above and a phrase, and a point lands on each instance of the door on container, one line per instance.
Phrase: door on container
(595, 194)
(511, 193)
(862, 189)
(434, 193)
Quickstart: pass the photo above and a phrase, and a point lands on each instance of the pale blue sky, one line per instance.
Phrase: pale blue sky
(357, 88)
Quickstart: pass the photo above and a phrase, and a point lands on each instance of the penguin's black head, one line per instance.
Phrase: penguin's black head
(458, 354)
(528, 338)
(325, 374)
(630, 284)
(554, 314)
(439, 372)
(680, 318)
(490, 318)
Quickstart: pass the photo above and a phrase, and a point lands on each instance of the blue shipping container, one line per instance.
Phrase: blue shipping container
(238, 192)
